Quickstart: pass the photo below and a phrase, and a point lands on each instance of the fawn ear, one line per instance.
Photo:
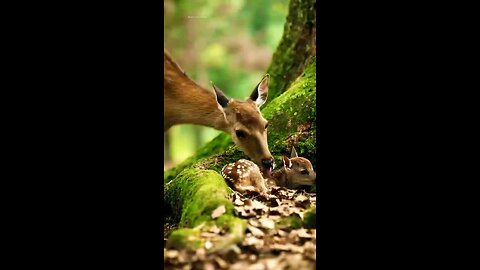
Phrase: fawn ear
(222, 100)
(260, 93)
(286, 162)
(294, 153)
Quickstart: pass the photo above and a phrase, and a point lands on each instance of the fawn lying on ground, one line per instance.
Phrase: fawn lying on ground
(244, 175)
(185, 102)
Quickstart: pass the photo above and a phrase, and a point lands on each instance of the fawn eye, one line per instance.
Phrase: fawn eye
(304, 172)
(240, 134)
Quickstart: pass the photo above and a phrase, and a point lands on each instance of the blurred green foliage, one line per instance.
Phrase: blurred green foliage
(227, 42)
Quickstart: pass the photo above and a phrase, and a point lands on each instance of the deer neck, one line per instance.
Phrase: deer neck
(202, 109)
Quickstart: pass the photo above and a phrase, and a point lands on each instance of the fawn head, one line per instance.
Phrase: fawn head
(246, 124)
(299, 170)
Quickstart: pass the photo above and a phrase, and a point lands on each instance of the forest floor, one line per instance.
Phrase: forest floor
(277, 235)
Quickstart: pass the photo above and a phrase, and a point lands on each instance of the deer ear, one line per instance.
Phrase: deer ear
(286, 162)
(294, 153)
(260, 93)
(222, 100)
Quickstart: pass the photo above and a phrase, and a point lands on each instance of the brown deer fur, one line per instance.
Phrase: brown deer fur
(185, 102)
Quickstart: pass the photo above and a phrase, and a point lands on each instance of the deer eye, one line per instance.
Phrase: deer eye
(266, 125)
(240, 134)
(304, 172)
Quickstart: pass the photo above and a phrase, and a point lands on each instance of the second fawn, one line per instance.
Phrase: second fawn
(245, 175)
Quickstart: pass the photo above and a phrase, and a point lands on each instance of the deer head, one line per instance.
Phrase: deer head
(299, 171)
(246, 125)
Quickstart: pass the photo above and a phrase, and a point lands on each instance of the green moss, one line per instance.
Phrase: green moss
(293, 221)
(193, 195)
(294, 113)
(310, 218)
(296, 47)
(188, 192)
(185, 239)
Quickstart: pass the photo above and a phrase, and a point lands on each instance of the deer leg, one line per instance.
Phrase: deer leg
(243, 189)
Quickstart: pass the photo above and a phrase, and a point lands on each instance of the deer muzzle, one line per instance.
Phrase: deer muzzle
(267, 167)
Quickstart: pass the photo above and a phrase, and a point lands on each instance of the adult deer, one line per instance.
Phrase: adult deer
(185, 102)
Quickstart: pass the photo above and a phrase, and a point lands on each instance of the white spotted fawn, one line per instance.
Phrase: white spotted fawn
(245, 175)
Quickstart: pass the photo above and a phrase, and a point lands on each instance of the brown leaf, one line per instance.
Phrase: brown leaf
(208, 245)
(242, 265)
(254, 222)
(274, 211)
(287, 247)
(255, 231)
(271, 263)
(302, 201)
(218, 211)
(171, 254)
(221, 263)
(252, 257)
(258, 205)
(267, 223)
(301, 198)
(208, 266)
(244, 212)
(262, 197)
(200, 253)
(302, 233)
(284, 210)
(238, 201)
(183, 257)
(253, 241)
(274, 218)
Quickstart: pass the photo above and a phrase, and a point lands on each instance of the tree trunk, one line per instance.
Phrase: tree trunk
(297, 46)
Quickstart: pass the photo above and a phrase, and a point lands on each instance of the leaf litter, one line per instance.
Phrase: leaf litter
(266, 245)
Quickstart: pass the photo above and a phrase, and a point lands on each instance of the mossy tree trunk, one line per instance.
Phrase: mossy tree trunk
(290, 110)
(296, 48)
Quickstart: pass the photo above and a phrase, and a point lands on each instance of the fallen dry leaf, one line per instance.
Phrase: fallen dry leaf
(290, 248)
(254, 222)
(238, 201)
(255, 231)
(267, 223)
(218, 211)
(221, 263)
(302, 233)
(208, 244)
(171, 254)
(258, 205)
